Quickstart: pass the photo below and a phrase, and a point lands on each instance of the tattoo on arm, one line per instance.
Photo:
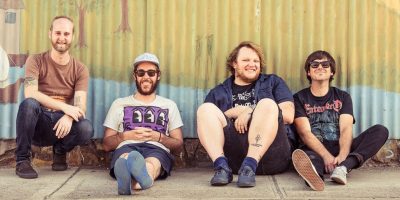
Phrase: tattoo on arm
(77, 101)
(257, 139)
(30, 81)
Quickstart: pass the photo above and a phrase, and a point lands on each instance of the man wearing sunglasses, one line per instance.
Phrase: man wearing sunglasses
(324, 119)
(142, 130)
(242, 122)
(53, 112)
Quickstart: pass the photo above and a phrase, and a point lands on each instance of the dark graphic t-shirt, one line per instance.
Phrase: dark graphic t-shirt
(323, 112)
(243, 95)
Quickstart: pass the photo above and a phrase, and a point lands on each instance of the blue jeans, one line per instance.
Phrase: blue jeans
(35, 126)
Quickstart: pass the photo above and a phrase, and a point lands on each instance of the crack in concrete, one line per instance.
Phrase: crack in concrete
(278, 190)
(65, 182)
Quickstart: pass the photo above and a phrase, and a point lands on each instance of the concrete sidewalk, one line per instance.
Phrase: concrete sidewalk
(193, 183)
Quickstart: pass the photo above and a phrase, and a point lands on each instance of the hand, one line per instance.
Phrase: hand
(329, 162)
(242, 121)
(339, 159)
(75, 112)
(142, 134)
(63, 126)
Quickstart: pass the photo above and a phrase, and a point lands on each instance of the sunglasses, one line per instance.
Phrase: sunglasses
(141, 72)
(315, 64)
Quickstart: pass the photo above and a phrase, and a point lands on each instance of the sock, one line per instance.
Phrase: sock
(137, 168)
(249, 161)
(350, 163)
(123, 177)
(221, 161)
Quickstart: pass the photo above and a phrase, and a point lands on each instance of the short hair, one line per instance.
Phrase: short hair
(233, 55)
(62, 17)
(318, 55)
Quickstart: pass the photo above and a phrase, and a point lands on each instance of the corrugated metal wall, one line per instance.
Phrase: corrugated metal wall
(192, 39)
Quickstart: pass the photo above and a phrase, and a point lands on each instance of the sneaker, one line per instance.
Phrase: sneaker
(247, 178)
(222, 176)
(306, 169)
(59, 162)
(24, 169)
(339, 175)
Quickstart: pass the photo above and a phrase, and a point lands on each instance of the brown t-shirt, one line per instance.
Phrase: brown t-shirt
(57, 81)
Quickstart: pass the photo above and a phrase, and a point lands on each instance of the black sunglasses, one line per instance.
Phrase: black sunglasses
(315, 64)
(141, 72)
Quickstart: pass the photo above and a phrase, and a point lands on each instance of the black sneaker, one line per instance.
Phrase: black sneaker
(59, 162)
(222, 176)
(247, 178)
(24, 169)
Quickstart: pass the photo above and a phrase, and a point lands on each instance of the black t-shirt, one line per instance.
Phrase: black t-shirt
(243, 95)
(323, 112)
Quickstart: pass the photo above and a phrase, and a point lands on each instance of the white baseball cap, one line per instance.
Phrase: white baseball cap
(146, 57)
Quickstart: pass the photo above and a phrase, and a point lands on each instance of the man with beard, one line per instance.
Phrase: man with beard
(142, 130)
(53, 112)
(242, 122)
(324, 120)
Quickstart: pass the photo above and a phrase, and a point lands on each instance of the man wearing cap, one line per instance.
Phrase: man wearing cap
(142, 130)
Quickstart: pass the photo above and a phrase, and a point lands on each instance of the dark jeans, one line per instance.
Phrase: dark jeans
(275, 160)
(363, 147)
(35, 126)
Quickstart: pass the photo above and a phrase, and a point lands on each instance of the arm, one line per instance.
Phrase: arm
(80, 98)
(112, 138)
(304, 130)
(234, 113)
(242, 115)
(346, 137)
(32, 91)
(287, 108)
(174, 141)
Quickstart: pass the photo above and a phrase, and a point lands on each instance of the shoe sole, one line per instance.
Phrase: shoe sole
(59, 168)
(338, 180)
(26, 176)
(244, 185)
(220, 182)
(304, 167)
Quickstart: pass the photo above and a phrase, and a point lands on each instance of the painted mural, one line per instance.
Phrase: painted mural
(192, 40)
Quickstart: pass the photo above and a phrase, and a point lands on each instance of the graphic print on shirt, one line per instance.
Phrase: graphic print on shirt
(324, 120)
(244, 98)
(152, 117)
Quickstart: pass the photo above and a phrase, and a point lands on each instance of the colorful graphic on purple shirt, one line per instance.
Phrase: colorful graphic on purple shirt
(152, 117)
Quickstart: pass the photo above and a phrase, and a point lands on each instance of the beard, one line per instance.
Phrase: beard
(59, 48)
(150, 91)
(246, 79)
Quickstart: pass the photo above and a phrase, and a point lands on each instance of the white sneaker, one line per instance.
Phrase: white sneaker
(306, 169)
(339, 175)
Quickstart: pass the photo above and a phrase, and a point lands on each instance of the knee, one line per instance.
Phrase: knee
(85, 130)
(267, 106)
(380, 131)
(30, 104)
(205, 109)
